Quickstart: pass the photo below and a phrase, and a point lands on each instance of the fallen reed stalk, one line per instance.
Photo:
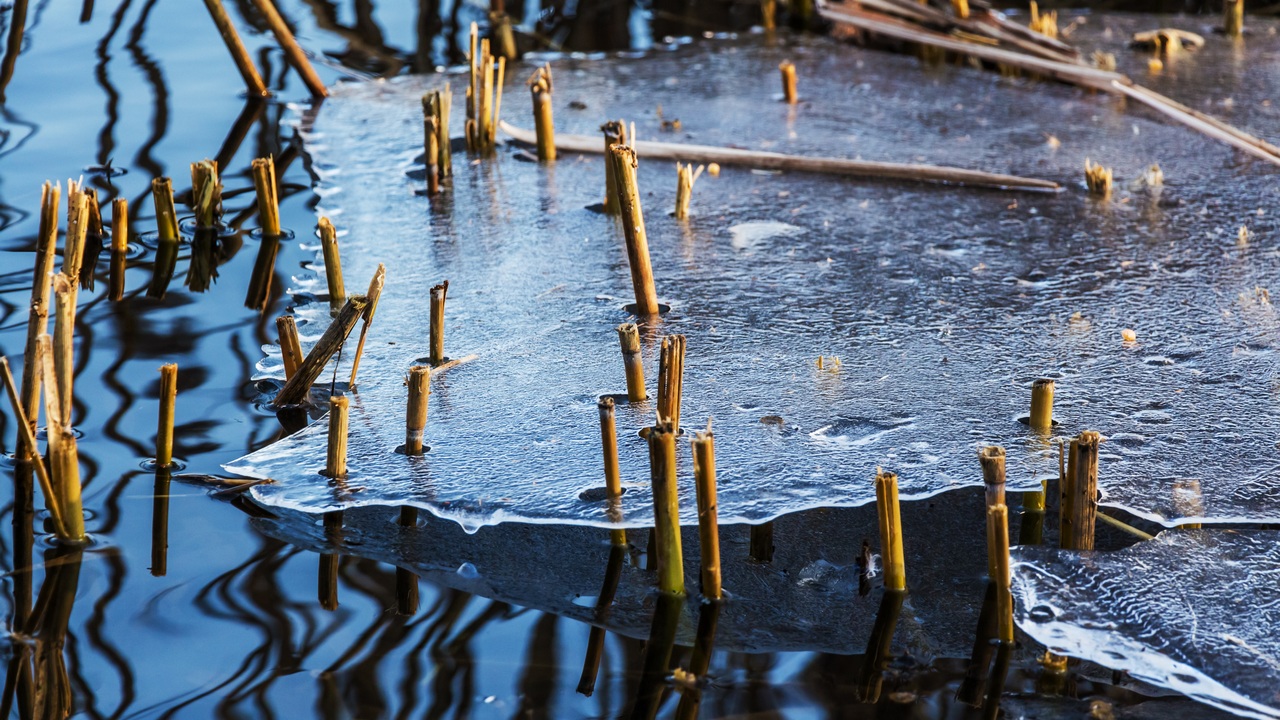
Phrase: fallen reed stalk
(419, 383)
(1041, 417)
(335, 461)
(612, 475)
(27, 438)
(998, 564)
(540, 89)
(119, 248)
(1098, 179)
(624, 171)
(244, 63)
(686, 176)
(38, 317)
(292, 51)
(436, 331)
(704, 473)
(890, 530)
(166, 237)
(64, 291)
(371, 297)
(788, 71)
(64, 458)
(632, 362)
(290, 345)
(666, 507)
(332, 265)
(1233, 18)
(777, 161)
(264, 185)
(615, 133)
(1079, 506)
(164, 424)
(295, 390)
(671, 379)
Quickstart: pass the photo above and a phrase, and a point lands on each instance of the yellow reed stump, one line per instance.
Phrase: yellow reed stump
(1078, 509)
(332, 265)
(416, 410)
(64, 291)
(431, 133)
(998, 564)
(1098, 179)
(540, 89)
(438, 295)
(615, 133)
(1041, 417)
(788, 71)
(64, 457)
(335, 464)
(1233, 17)
(632, 363)
(666, 508)
(895, 577)
(612, 475)
(264, 185)
(166, 237)
(992, 460)
(164, 428)
(119, 248)
(624, 170)
(769, 15)
(290, 345)
(686, 176)
(704, 473)
(671, 378)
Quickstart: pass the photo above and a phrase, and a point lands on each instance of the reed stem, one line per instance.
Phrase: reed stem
(612, 475)
(264, 184)
(372, 295)
(332, 265)
(292, 51)
(64, 290)
(992, 460)
(1233, 17)
(632, 363)
(416, 412)
(166, 237)
(206, 193)
(91, 243)
(484, 95)
(1079, 506)
(244, 63)
(1041, 404)
(119, 247)
(64, 458)
(671, 379)
(503, 35)
(769, 15)
(623, 159)
(686, 176)
(704, 473)
(540, 89)
(438, 295)
(38, 318)
(290, 345)
(431, 131)
(788, 70)
(890, 530)
(615, 133)
(666, 508)
(296, 389)
(998, 564)
(961, 8)
(164, 425)
(335, 462)
(73, 252)
(439, 104)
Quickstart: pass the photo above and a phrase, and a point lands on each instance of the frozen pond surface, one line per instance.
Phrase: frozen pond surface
(942, 304)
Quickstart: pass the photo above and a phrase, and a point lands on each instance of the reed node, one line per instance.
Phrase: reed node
(438, 295)
(1233, 17)
(1045, 23)
(998, 565)
(332, 265)
(416, 412)
(64, 457)
(293, 53)
(1098, 179)
(119, 248)
(612, 475)
(788, 70)
(64, 291)
(164, 428)
(615, 133)
(244, 63)
(1041, 417)
(264, 184)
(890, 530)
(335, 462)
(624, 163)
(632, 363)
(704, 473)
(484, 95)
(686, 176)
(1078, 508)
(38, 315)
(666, 507)
(290, 345)
(671, 379)
(540, 88)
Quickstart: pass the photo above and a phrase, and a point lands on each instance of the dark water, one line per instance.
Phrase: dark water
(220, 616)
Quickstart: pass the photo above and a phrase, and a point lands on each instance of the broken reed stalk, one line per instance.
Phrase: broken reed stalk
(372, 295)
(1079, 505)
(27, 438)
(1045, 23)
(64, 291)
(632, 362)
(623, 159)
(431, 132)
(166, 236)
(38, 317)
(671, 379)
(704, 473)
(119, 247)
(890, 530)
(612, 475)
(1041, 417)
(206, 193)
(1098, 179)
(998, 565)
(686, 176)
(335, 461)
(296, 389)
(540, 89)
(415, 421)
(437, 105)
(73, 251)
(1233, 17)
(290, 345)
(992, 460)
(164, 425)
(615, 133)
(244, 63)
(292, 51)
(484, 95)
(332, 265)
(666, 507)
(64, 458)
(438, 295)
(788, 70)
(264, 184)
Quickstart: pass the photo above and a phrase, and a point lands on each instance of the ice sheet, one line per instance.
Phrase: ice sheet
(942, 304)
(1192, 610)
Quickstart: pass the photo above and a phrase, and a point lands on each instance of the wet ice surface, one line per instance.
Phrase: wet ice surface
(1194, 611)
(942, 304)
